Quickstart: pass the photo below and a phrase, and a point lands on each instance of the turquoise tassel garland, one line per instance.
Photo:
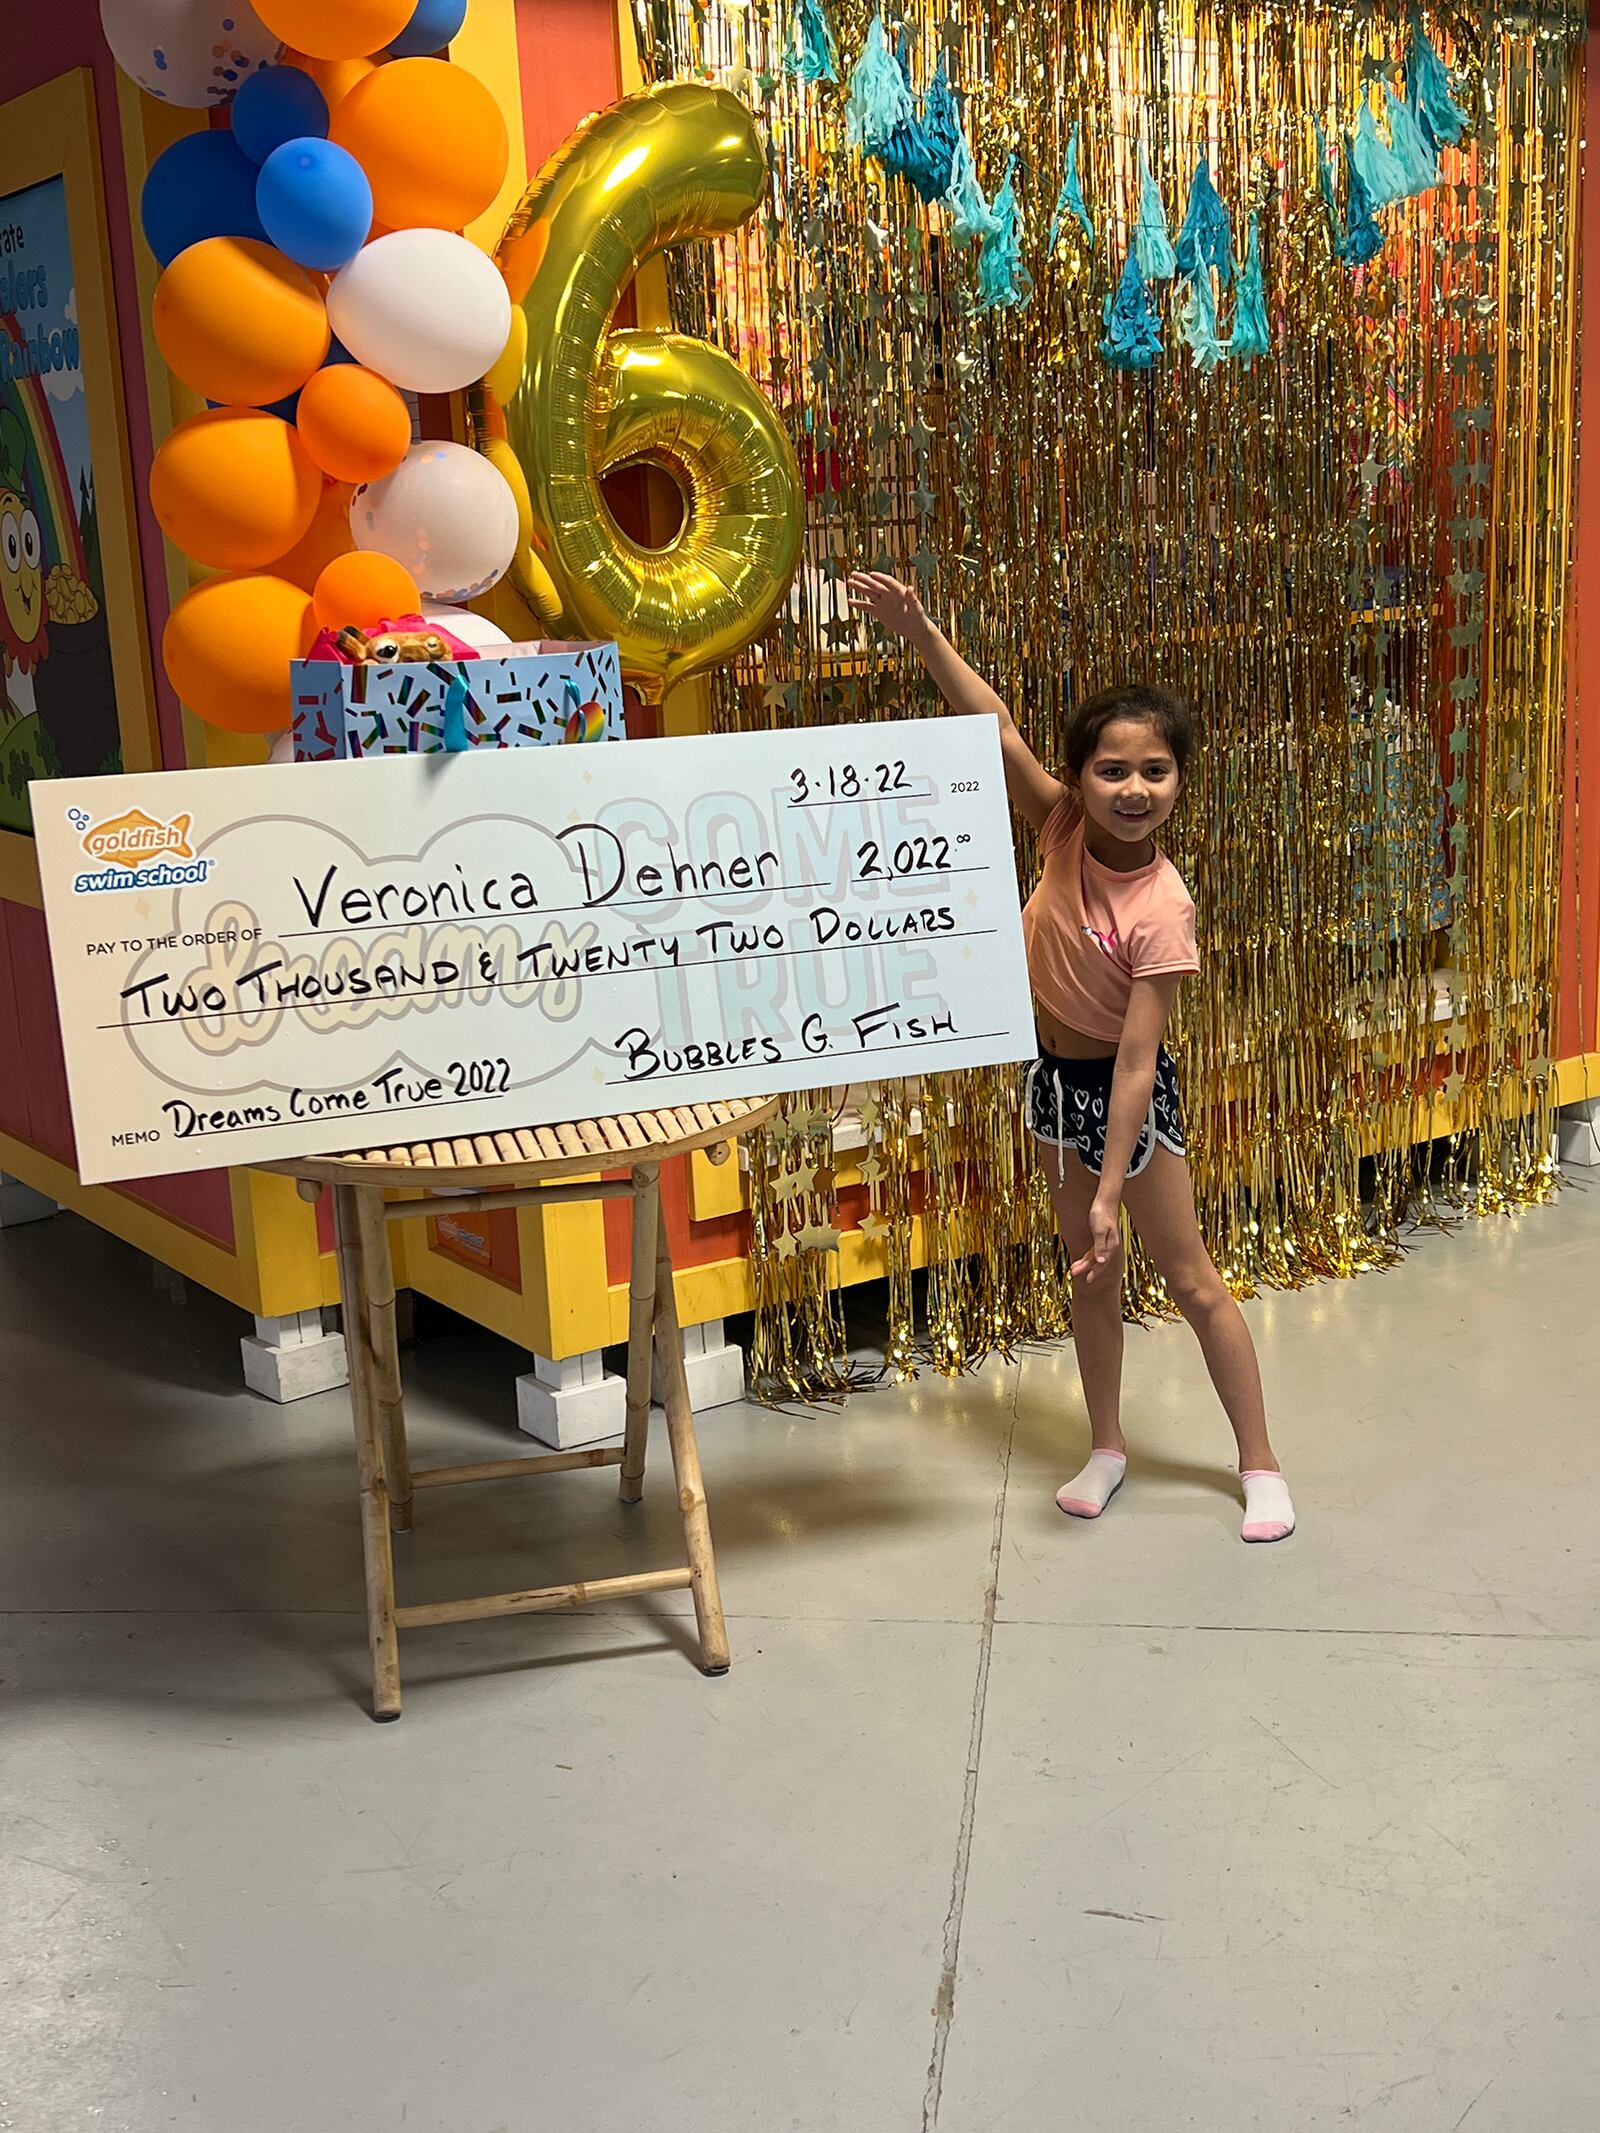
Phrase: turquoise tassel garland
(1411, 148)
(1070, 200)
(1205, 238)
(1430, 93)
(941, 129)
(1251, 336)
(815, 56)
(1382, 172)
(1004, 283)
(922, 150)
(1363, 236)
(1157, 260)
(1133, 325)
(1197, 321)
(879, 99)
(970, 213)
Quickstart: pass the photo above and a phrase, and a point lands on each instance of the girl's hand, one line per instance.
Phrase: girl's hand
(1105, 1238)
(893, 606)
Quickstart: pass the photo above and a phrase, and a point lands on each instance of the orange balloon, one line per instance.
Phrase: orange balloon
(431, 140)
(363, 588)
(327, 536)
(336, 29)
(227, 648)
(334, 77)
(353, 423)
(238, 322)
(234, 487)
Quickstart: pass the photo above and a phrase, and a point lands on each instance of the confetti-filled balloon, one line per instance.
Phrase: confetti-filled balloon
(424, 308)
(446, 515)
(188, 52)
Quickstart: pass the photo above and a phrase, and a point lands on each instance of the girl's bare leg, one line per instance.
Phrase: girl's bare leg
(1160, 1203)
(1096, 1305)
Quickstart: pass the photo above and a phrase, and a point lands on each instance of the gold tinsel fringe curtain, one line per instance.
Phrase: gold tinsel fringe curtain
(1353, 556)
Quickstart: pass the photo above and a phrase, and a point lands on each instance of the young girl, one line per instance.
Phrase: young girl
(1110, 933)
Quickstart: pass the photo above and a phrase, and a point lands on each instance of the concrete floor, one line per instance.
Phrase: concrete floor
(1000, 1824)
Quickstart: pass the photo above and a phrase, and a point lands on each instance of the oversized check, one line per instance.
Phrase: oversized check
(293, 959)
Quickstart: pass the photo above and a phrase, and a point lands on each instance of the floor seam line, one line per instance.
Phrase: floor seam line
(944, 2004)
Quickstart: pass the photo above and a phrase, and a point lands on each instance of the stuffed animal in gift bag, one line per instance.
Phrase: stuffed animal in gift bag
(410, 641)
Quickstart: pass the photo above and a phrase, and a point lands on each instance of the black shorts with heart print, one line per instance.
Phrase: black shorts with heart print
(1069, 1105)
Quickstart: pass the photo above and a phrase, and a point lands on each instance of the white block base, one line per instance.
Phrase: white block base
(290, 1358)
(1578, 1135)
(713, 1365)
(19, 1203)
(571, 1403)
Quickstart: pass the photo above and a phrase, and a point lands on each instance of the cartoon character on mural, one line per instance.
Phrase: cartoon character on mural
(58, 711)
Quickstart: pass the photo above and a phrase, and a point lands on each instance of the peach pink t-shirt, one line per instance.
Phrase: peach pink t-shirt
(1090, 930)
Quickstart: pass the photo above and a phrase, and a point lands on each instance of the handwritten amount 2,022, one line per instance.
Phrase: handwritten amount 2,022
(850, 781)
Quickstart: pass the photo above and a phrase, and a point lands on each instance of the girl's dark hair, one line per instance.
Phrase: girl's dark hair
(1161, 708)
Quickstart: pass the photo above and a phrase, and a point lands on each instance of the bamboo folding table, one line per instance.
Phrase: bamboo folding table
(530, 1167)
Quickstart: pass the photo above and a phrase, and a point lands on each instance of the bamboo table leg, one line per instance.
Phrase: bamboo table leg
(641, 1324)
(377, 1551)
(378, 1268)
(714, 1656)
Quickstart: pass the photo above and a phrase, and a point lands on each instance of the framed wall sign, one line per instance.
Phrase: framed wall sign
(76, 698)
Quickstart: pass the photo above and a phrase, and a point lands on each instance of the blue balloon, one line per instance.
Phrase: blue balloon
(279, 104)
(199, 187)
(433, 23)
(315, 203)
(337, 352)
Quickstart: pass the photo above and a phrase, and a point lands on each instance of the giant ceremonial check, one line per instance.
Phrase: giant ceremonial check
(293, 959)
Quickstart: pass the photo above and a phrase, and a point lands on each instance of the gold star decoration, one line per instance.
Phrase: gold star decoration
(819, 1237)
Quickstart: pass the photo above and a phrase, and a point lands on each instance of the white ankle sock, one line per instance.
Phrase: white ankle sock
(1087, 1494)
(1268, 1513)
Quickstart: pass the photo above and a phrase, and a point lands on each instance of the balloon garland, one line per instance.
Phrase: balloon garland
(314, 273)
(332, 205)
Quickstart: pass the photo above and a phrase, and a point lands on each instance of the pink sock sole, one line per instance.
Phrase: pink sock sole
(1077, 1507)
(1269, 1531)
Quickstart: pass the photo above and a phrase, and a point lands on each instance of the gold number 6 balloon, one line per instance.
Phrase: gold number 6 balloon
(676, 163)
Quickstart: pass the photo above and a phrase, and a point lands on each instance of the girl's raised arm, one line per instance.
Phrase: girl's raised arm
(895, 607)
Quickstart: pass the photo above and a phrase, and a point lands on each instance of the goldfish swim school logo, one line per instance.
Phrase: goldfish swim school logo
(136, 851)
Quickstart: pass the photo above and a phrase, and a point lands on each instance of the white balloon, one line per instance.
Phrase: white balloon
(444, 512)
(423, 308)
(467, 624)
(188, 52)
